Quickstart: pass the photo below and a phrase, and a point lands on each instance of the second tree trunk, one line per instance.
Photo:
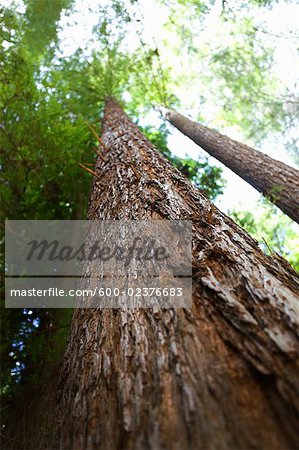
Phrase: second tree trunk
(274, 179)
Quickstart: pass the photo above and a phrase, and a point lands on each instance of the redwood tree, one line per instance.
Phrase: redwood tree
(223, 374)
(274, 179)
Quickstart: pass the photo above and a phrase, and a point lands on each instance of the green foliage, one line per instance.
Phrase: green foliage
(274, 195)
(40, 146)
(263, 2)
(244, 68)
(275, 232)
(230, 64)
(41, 143)
(40, 27)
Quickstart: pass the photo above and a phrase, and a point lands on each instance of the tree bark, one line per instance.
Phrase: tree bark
(223, 374)
(274, 179)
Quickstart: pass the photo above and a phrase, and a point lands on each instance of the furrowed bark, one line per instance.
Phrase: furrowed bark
(223, 374)
(274, 179)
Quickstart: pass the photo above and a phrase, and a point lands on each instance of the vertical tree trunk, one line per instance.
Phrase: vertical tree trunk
(223, 374)
(274, 179)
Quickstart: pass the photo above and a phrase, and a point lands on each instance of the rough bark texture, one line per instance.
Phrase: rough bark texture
(222, 375)
(274, 179)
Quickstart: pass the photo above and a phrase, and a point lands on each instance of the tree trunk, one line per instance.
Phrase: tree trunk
(223, 374)
(274, 179)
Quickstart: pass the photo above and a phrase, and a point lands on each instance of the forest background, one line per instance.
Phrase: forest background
(230, 65)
